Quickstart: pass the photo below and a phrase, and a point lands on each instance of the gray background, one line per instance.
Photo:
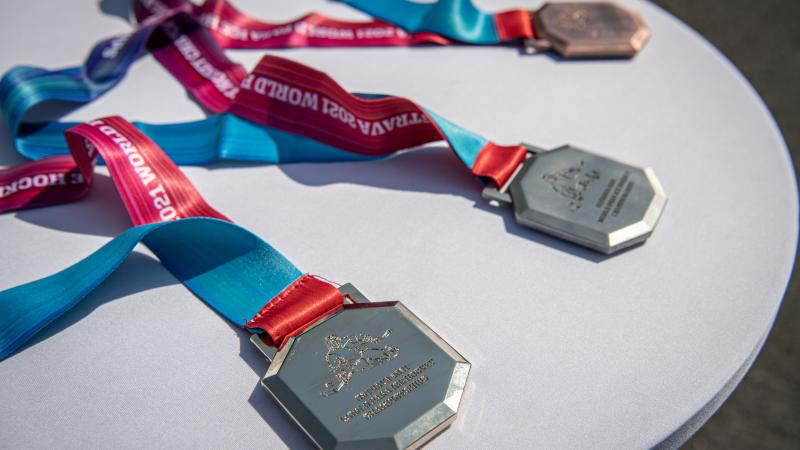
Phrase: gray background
(763, 39)
(569, 349)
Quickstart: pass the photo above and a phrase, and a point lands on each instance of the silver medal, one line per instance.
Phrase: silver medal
(584, 198)
(372, 376)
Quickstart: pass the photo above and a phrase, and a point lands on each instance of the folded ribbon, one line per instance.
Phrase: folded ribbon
(402, 23)
(226, 266)
(263, 122)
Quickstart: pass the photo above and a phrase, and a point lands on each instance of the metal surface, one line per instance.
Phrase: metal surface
(584, 198)
(585, 30)
(371, 376)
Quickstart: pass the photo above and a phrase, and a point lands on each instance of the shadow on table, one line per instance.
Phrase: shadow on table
(100, 213)
(118, 8)
(262, 401)
(8, 152)
(433, 170)
(427, 170)
(138, 273)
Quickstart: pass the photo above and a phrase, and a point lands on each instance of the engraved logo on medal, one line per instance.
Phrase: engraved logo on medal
(347, 355)
(575, 19)
(571, 183)
(592, 21)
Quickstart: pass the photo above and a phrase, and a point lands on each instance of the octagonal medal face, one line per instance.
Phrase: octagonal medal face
(587, 198)
(592, 29)
(373, 376)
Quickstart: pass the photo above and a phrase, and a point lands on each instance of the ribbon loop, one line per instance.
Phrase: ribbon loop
(300, 305)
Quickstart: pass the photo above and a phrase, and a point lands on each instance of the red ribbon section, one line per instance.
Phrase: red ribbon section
(151, 186)
(498, 162)
(234, 29)
(298, 99)
(514, 24)
(289, 96)
(45, 182)
(296, 308)
(190, 53)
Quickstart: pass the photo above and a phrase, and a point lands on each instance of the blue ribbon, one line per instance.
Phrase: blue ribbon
(228, 267)
(459, 20)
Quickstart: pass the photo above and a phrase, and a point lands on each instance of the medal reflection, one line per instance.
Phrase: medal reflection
(372, 376)
(587, 30)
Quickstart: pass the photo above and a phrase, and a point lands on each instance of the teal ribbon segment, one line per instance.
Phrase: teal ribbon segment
(229, 137)
(459, 20)
(465, 143)
(201, 142)
(229, 268)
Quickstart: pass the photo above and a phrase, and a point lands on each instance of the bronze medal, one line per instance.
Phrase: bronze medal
(587, 30)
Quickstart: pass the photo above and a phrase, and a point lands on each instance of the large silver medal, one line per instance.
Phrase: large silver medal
(371, 376)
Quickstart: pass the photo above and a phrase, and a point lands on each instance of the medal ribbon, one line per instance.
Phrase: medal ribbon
(173, 31)
(402, 23)
(226, 266)
(264, 119)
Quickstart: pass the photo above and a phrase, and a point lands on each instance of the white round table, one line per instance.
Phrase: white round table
(570, 349)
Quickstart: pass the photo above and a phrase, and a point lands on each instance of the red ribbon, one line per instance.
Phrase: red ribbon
(296, 308)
